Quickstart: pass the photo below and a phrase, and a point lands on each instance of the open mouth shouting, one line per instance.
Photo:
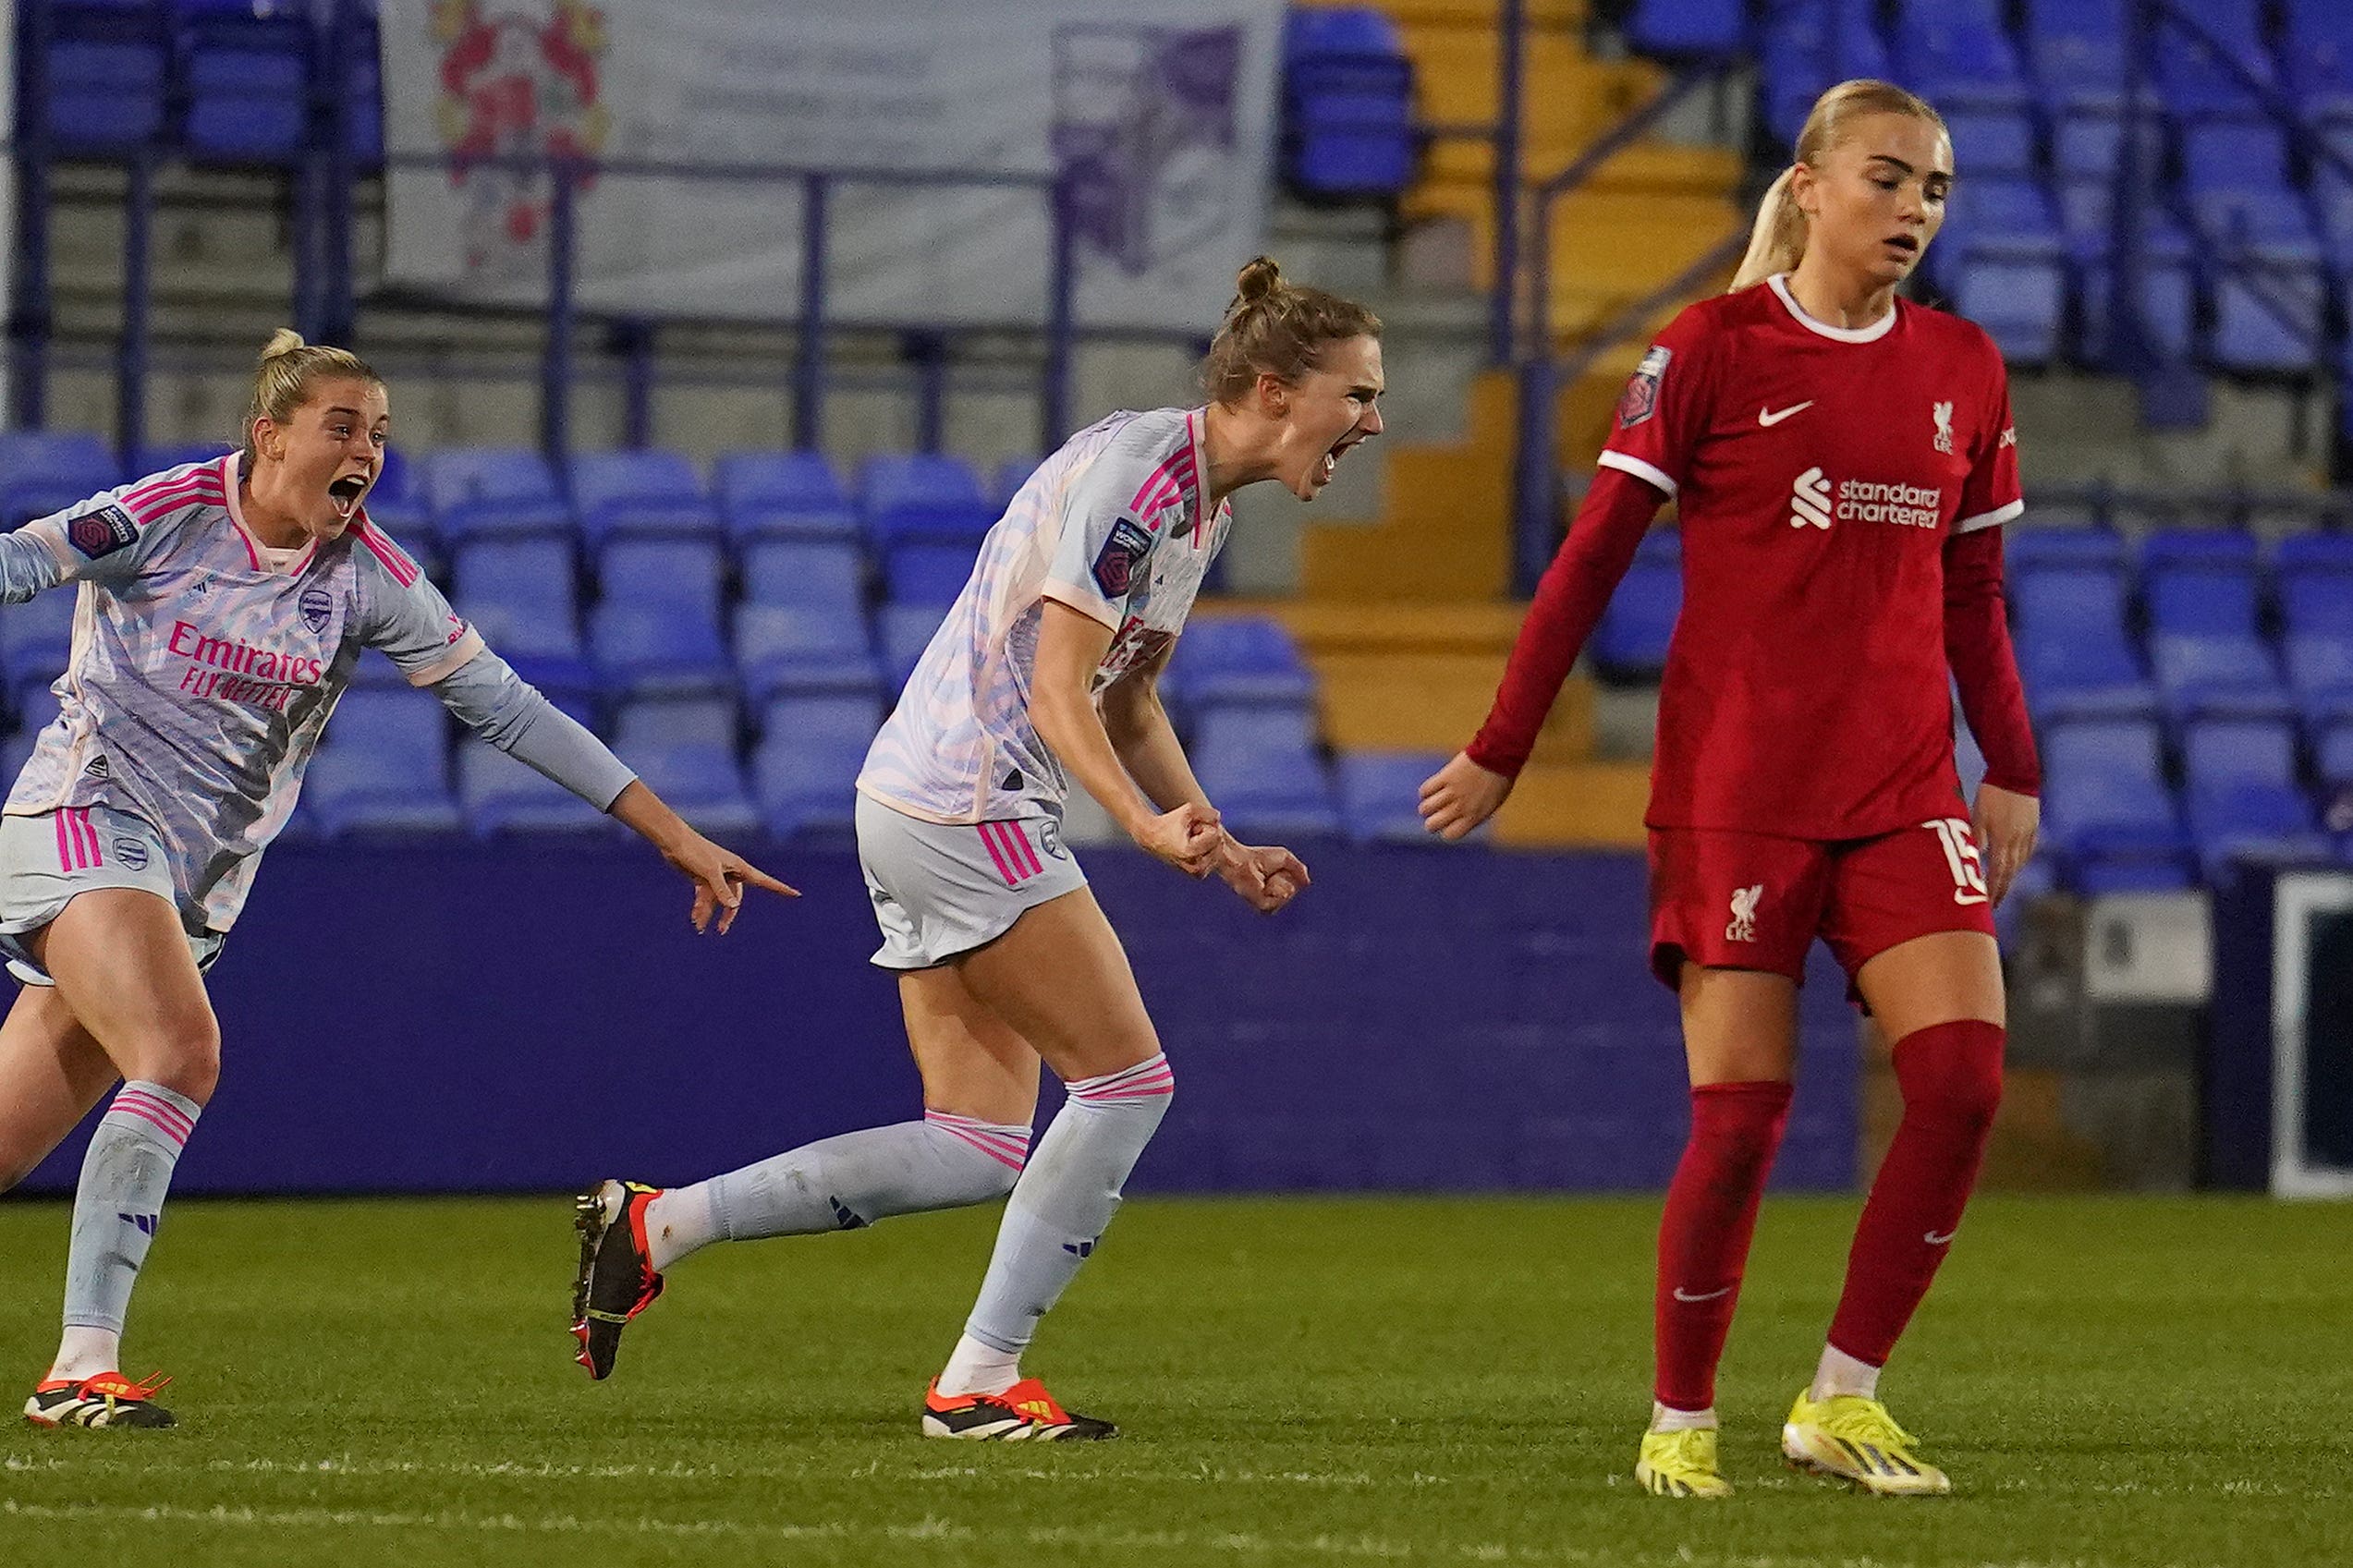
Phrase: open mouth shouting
(344, 495)
(1329, 463)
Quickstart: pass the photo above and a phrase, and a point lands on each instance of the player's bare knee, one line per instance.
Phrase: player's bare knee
(185, 1059)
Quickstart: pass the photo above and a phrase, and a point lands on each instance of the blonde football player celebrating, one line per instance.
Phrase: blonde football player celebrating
(223, 606)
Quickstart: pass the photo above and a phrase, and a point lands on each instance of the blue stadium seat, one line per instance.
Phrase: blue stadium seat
(656, 629)
(2315, 578)
(792, 495)
(650, 650)
(1688, 28)
(1811, 45)
(681, 574)
(108, 76)
(2088, 144)
(2333, 755)
(1957, 54)
(2106, 810)
(2077, 48)
(1381, 795)
(501, 796)
(1992, 140)
(804, 771)
(927, 572)
(34, 639)
(484, 492)
(1261, 765)
(45, 471)
(2195, 81)
(2074, 652)
(641, 495)
(905, 631)
(385, 768)
(2045, 544)
(2318, 50)
(2168, 287)
(793, 649)
(2208, 656)
(805, 573)
(2239, 781)
(1237, 659)
(248, 77)
(2004, 259)
(924, 498)
(686, 753)
(518, 593)
(1630, 640)
(2270, 290)
(1347, 103)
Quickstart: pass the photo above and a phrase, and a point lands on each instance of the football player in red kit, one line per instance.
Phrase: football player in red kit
(1844, 461)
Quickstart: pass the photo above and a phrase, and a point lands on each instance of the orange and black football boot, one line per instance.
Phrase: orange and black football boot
(108, 1399)
(1024, 1413)
(616, 1282)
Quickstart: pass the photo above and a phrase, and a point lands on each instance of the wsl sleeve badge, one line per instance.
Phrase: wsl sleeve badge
(1114, 567)
(1641, 398)
(102, 531)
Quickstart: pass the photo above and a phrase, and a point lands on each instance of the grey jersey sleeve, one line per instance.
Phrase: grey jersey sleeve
(404, 615)
(98, 541)
(1107, 540)
(512, 715)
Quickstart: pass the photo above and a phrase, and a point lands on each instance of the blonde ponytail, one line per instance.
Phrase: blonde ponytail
(1779, 241)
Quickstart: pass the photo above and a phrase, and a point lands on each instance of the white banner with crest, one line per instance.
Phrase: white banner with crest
(1159, 119)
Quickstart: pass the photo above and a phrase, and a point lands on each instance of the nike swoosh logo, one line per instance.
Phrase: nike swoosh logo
(1934, 1240)
(1682, 1294)
(1768, 418)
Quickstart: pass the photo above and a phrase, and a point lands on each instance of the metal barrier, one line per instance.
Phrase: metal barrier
(2134, 349)
(1542, 371)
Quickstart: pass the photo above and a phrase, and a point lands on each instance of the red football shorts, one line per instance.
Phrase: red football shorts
(1754, 900)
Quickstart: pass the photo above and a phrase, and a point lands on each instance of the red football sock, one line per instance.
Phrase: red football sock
(1703, 1236)
(1951, 1075)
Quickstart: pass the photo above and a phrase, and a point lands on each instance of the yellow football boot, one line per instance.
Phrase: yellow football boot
(1681, 1465)
(1854, 1438)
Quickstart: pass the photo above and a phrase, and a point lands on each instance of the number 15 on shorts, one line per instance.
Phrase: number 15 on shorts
(1961, 856)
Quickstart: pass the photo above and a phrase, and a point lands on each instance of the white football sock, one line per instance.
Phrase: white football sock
(1665, 1420)
(979, 1369)
(1841, 1373)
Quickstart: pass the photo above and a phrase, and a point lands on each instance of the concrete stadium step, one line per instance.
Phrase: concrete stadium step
(1444, 529)
(1589, 804)
(1420, 677)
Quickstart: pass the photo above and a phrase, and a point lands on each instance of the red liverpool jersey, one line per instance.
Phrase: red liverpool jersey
(1820, 472)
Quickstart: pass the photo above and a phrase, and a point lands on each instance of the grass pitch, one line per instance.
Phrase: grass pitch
(2112, 1381)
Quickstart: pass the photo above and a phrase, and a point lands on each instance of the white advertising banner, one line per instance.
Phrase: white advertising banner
(1159, 119)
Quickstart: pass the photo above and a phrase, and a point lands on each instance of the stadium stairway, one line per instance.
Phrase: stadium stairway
(1406, 615)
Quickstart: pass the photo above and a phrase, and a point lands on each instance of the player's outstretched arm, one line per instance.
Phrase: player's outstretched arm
(1070, 647)
(719, 875)
(513, 715)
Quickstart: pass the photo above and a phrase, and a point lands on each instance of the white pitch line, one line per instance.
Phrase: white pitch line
(1365, 1547)
(344, 1465)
